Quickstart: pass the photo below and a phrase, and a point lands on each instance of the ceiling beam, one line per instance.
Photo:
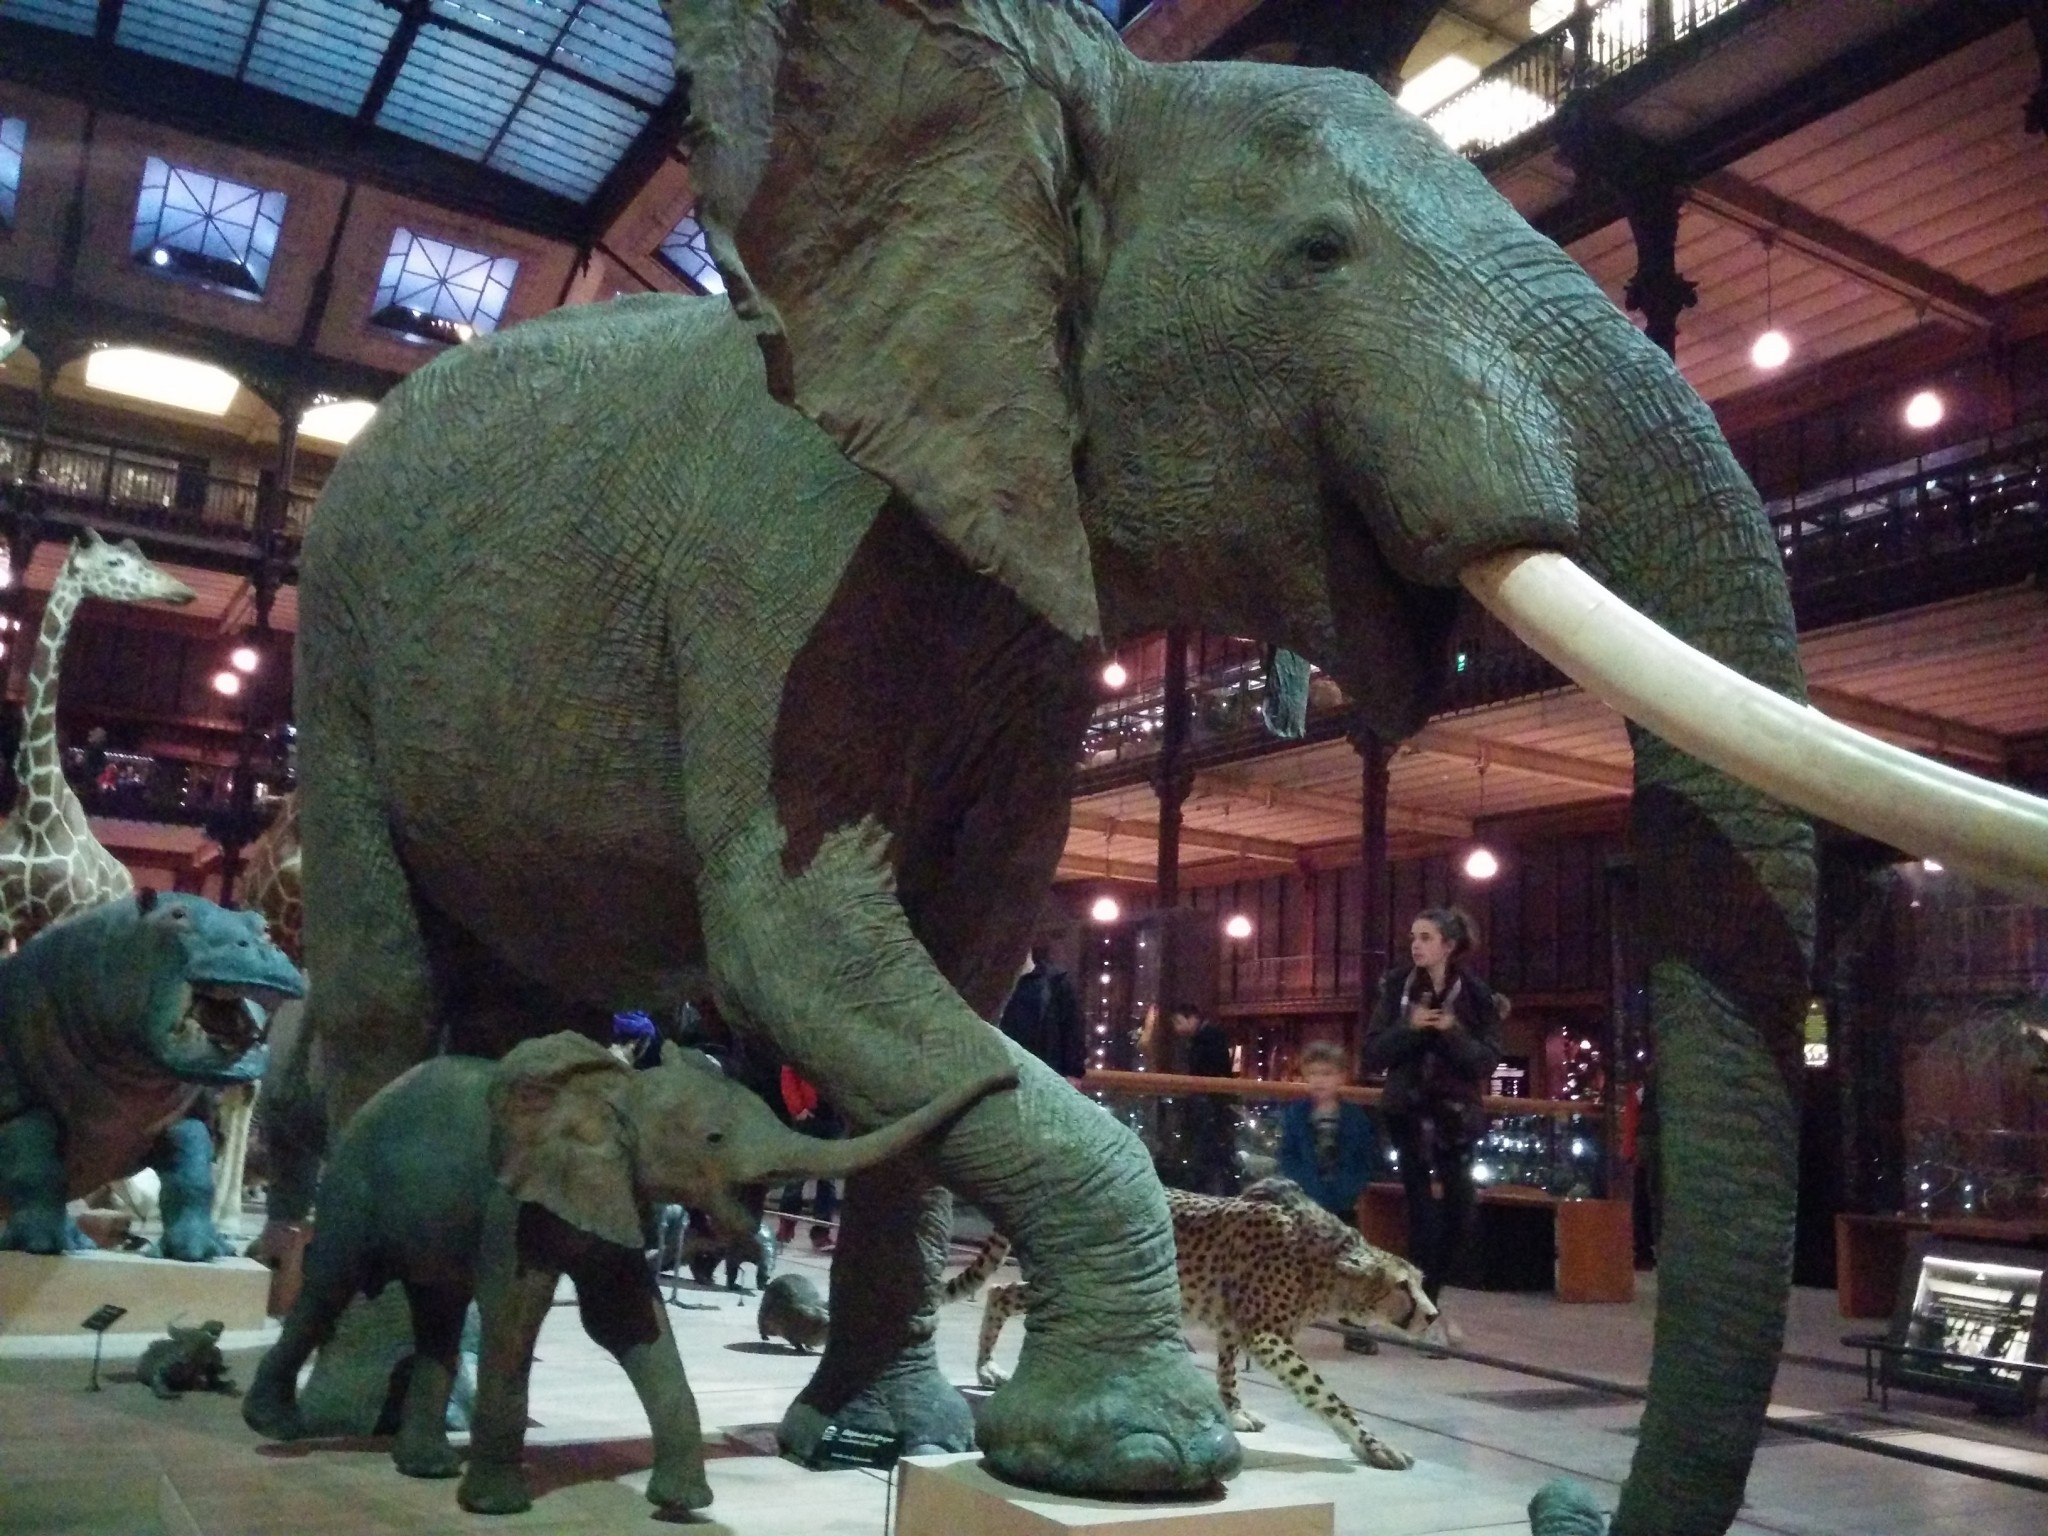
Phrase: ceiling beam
(1818, 238)
(1087, 866)
(1951, 738)
(1443, 741)
(1491, 30)
(1221, 784)
(1263, 849)
(1173, 31)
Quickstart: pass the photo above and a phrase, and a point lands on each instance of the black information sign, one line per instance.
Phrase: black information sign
(1965, 1311)
(842, 1447)
(104, 1318)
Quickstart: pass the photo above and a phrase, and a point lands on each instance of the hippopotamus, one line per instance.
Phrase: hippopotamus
(113, 1023)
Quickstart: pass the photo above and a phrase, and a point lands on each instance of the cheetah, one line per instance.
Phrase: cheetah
(1255, 1267)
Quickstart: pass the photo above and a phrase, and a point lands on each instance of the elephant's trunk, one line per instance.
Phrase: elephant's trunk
(788, 1156)
(1726, 918)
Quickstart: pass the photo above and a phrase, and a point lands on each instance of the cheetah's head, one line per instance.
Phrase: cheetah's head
(1376, 1285)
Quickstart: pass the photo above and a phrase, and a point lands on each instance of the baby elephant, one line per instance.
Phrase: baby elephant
(792, 1309)
(470, 1178)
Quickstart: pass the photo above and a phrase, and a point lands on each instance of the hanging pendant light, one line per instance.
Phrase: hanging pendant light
(1480, 864)
(1774, 348)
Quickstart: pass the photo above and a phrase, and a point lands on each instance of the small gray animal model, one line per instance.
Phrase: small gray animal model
(791, 1308)
(188, 1361)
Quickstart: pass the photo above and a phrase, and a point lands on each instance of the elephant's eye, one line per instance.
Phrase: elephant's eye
(1321, 249)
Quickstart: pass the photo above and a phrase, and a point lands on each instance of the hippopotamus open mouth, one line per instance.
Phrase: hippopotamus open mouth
(229, 1019)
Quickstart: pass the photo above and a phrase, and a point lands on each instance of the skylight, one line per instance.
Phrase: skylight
(80, 16)
(161, 379)
(1438, 83)
(206, 229)
(336, 421)
(549, 91)
(432, 290)
(13, 140)
(1488, 113)
(688, 254)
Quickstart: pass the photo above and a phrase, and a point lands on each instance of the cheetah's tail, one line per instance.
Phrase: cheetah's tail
(979, 1268)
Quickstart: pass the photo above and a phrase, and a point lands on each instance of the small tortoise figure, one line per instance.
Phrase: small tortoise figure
(1256, 1267)
(188, 1361)
(791, 1308)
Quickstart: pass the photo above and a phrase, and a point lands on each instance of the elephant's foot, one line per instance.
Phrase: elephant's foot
(194, 1241)
(271, 1411)
(36, 1230)
(494, 1488)
(680, 1483)
(425, 1457)
(1084, 1424)
(911, 1400)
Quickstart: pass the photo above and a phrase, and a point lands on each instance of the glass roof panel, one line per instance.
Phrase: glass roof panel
(233, 227)
(444, 280)
(625, 43)
(80, 16)
(567, 136)
(688, 254)
(13, 139)
(533, 26)
(322, 51)
(455, 92)
(207, 33)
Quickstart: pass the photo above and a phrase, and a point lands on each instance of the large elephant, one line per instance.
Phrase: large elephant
(662, 648)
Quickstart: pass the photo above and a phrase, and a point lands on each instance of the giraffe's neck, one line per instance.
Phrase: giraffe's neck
(38, 767)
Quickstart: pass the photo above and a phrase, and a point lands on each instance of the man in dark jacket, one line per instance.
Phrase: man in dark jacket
(1044, 1016)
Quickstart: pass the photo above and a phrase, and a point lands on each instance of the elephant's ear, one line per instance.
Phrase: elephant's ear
(560, 1139)
(895, 192)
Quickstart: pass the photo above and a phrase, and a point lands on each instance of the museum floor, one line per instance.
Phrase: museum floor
(119, 1463)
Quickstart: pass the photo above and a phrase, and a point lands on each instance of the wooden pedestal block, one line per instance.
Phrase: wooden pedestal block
(953, 1495)
(1596, 1250)
(52, 1293)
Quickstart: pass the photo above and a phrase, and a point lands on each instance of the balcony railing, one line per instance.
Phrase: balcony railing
(135, 486)
(1970, 517)
(1525, 88)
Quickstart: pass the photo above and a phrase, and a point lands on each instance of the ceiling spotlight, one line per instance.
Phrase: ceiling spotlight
(1239, 926)
(1480, 864)
(1924, 410)
(1932, 866)
(160, 257)
(244, 658)
(1105, 909)
(227, 684)
(1114, 676)
(1770, 350)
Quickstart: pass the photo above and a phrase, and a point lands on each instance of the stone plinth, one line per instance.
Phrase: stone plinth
(950, 1495)
(53, 1293)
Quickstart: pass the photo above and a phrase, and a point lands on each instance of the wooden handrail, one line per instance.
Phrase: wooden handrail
(1162, 1084)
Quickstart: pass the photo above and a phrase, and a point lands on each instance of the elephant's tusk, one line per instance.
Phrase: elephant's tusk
(1987, 832)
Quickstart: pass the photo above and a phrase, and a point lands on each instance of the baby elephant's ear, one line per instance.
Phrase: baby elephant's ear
(560, 1139)
(891, 190)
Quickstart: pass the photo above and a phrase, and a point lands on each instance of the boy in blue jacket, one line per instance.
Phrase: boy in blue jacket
(1327, 1146)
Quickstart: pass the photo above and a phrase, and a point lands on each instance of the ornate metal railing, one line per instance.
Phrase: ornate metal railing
(136, 486)
(1595, 44)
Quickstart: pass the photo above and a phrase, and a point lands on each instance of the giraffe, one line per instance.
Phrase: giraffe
(270, 885)
(50, 863)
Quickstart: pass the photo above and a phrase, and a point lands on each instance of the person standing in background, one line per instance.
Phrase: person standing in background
(1043, 1015)
(1435, 1032)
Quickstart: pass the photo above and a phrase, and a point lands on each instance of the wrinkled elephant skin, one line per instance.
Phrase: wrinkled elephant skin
(666, 648)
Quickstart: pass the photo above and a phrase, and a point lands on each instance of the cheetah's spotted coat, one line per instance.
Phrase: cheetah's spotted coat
(1255, 1268)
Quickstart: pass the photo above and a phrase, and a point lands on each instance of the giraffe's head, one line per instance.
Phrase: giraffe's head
(121, 574)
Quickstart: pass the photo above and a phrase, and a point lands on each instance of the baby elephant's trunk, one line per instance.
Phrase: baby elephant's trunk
(789, 1156)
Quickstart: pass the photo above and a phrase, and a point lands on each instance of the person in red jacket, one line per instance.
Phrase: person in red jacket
(814, 1117)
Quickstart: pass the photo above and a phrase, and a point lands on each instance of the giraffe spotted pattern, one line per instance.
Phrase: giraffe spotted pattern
(1255, 1268)
(51, 865)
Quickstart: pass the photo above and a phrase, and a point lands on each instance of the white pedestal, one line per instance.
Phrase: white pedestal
(52, 1293)
(951, 1495)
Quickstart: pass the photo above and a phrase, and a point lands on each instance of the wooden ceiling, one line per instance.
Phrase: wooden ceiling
(1960, 679)
(1935, 170)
